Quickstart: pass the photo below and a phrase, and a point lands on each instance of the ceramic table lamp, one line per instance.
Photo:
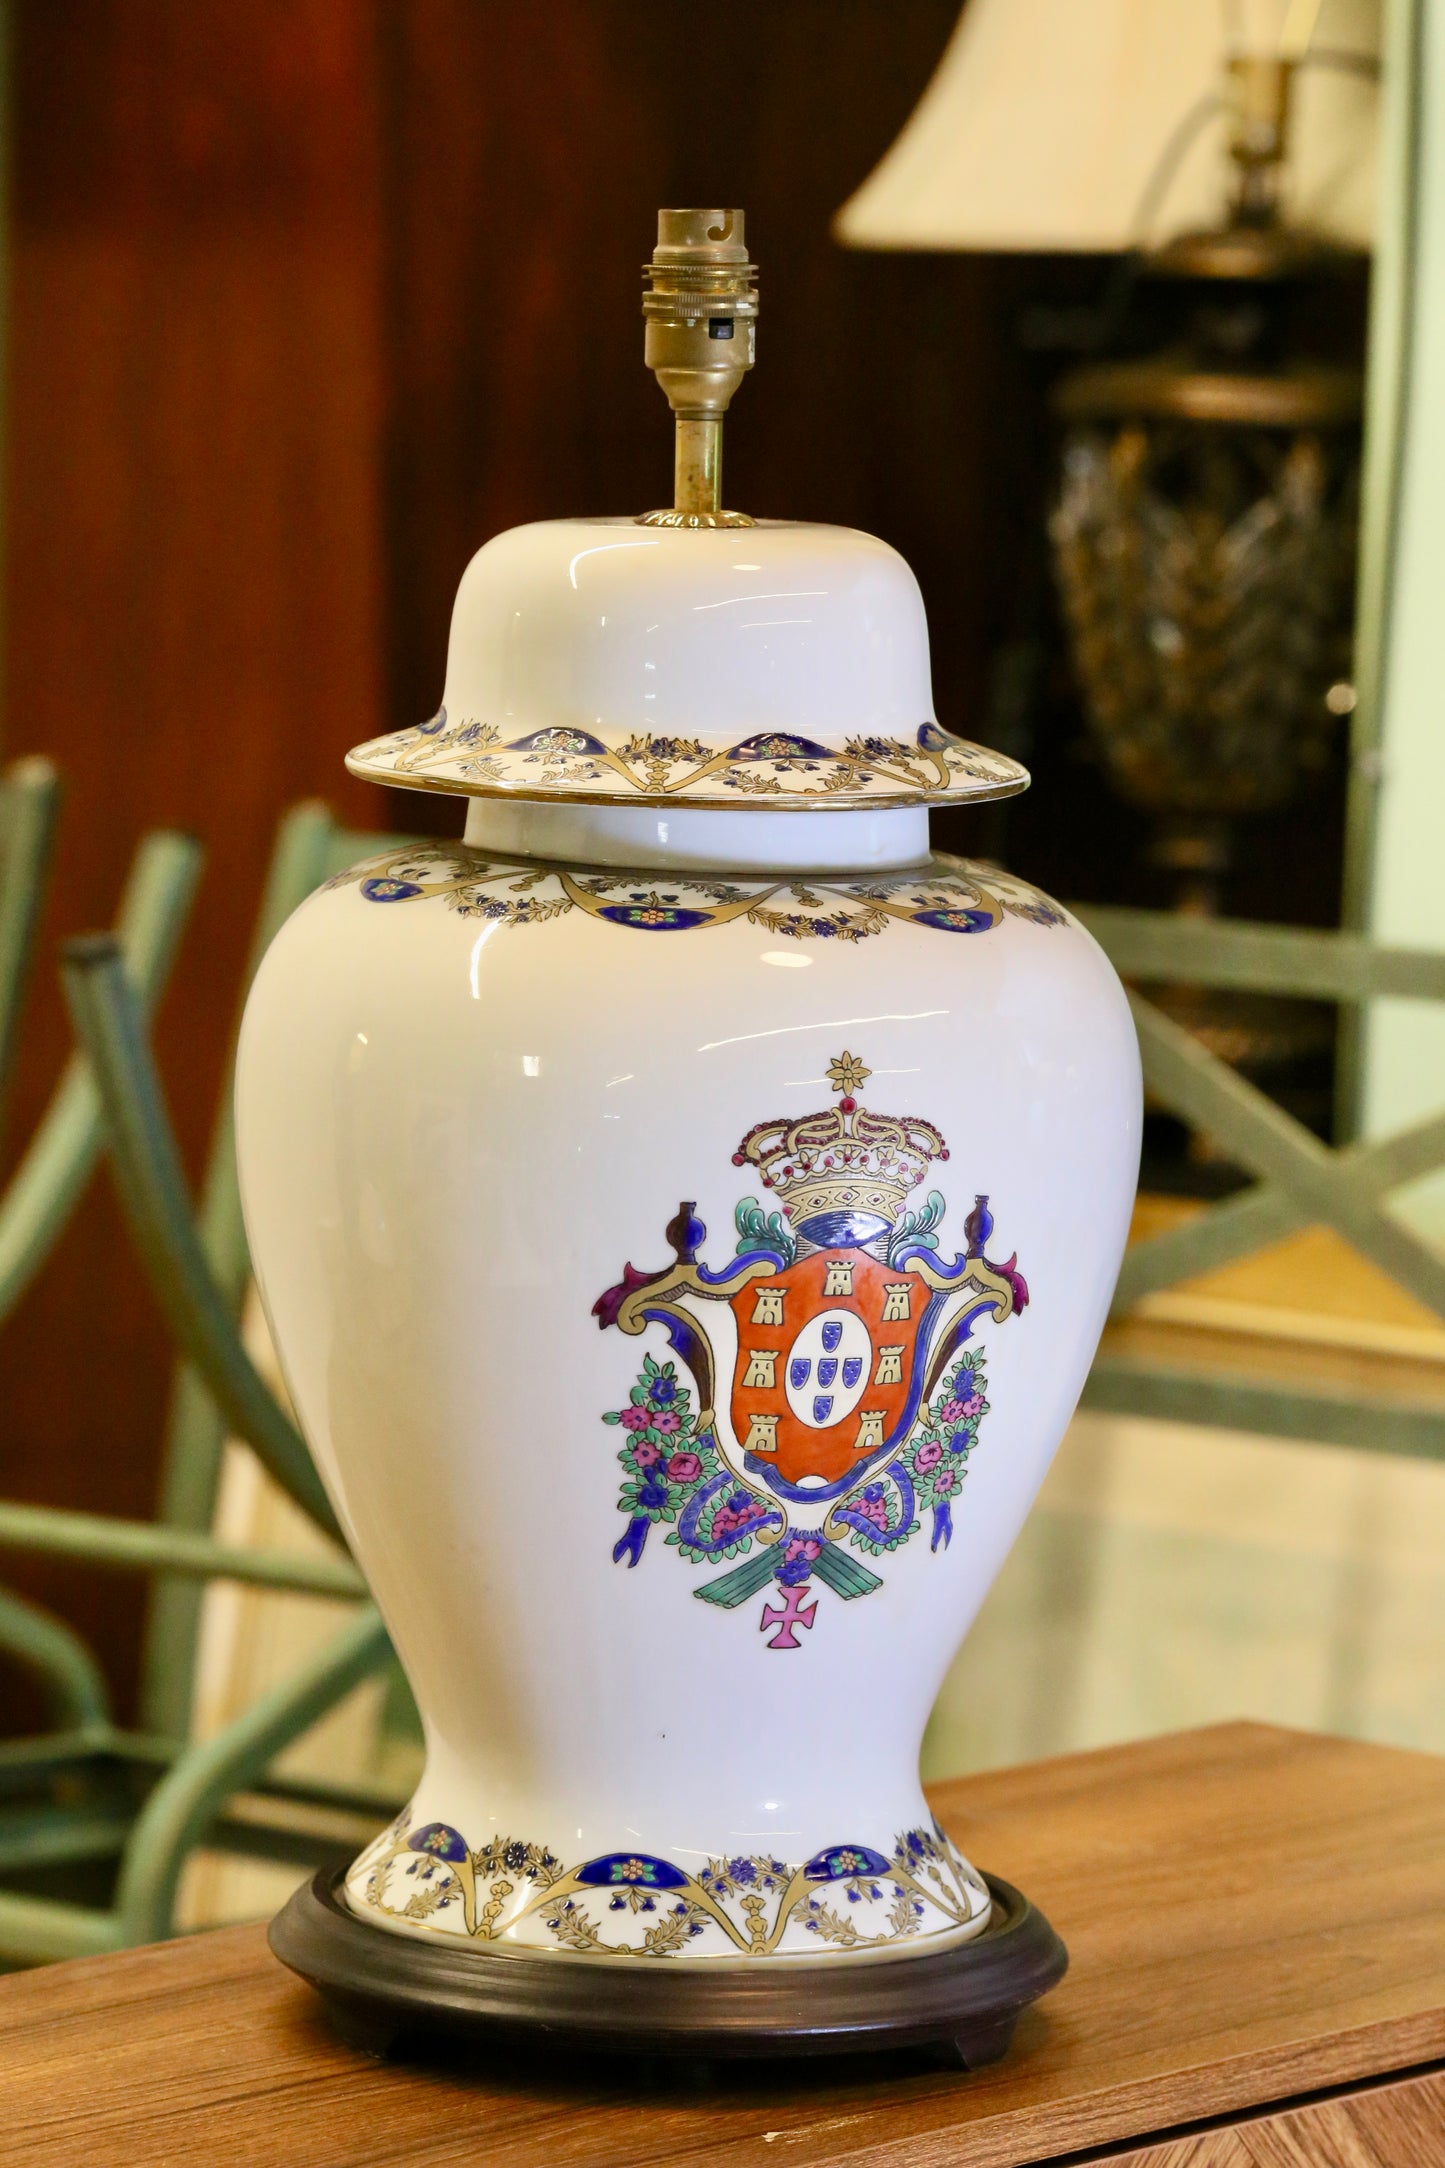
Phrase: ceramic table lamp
(686, 1211)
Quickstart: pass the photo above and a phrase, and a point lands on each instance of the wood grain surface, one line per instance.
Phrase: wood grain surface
(1398, 2125)
(1253, 1915)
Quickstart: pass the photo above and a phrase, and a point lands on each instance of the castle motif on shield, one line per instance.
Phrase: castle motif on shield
(855, 1391)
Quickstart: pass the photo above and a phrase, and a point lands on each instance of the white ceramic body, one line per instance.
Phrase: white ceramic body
(605, 626)
(595, 659)
(454, 1131)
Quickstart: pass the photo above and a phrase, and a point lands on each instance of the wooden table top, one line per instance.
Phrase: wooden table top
(1252, 1914)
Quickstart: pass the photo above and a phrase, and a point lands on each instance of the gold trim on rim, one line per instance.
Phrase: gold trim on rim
(981, 794)
(763, 770)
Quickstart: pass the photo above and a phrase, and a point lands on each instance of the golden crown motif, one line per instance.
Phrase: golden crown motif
(844, 1173)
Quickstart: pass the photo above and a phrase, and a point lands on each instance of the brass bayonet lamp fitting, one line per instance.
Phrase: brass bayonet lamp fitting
(700, 307)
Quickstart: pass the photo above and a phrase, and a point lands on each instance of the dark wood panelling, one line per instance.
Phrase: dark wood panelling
(528, 152)
(194, 578)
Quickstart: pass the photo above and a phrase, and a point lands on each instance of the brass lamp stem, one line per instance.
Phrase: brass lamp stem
(697, 466)
(1260, 87)
(700, 307)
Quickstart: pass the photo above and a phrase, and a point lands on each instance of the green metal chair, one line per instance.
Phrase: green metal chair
(103, 1815)
(1296, 1180)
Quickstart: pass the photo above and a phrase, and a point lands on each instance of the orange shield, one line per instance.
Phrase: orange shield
(825, 1364)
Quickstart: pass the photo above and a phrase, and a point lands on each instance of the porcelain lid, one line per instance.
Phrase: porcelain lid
(778, 665)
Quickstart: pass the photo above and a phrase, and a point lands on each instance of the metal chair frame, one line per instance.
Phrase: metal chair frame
(90, 1793)
(1298, 1180)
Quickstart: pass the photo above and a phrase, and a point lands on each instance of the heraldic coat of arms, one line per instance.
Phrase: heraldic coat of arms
(856, 1393)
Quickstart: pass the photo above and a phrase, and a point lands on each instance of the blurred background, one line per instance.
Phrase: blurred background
(304, 302)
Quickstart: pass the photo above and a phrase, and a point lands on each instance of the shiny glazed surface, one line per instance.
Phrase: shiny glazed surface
(740, 669)
(457, 1124)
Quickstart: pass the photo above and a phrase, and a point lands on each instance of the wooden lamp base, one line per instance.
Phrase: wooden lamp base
(381, 1987)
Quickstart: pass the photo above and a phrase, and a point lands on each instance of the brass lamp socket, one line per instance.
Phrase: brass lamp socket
(700, 309)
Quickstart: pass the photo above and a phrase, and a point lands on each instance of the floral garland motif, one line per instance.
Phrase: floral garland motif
(950, 895)
(855, 1397)
(563, 761)
(846, 1897)
(674, 1475)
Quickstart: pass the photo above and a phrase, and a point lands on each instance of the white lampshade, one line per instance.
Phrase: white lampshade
(1047, 121)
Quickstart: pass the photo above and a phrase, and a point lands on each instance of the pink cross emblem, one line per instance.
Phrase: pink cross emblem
(787, 1619)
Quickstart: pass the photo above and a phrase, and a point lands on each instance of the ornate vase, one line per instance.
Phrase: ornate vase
(686, 1211)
